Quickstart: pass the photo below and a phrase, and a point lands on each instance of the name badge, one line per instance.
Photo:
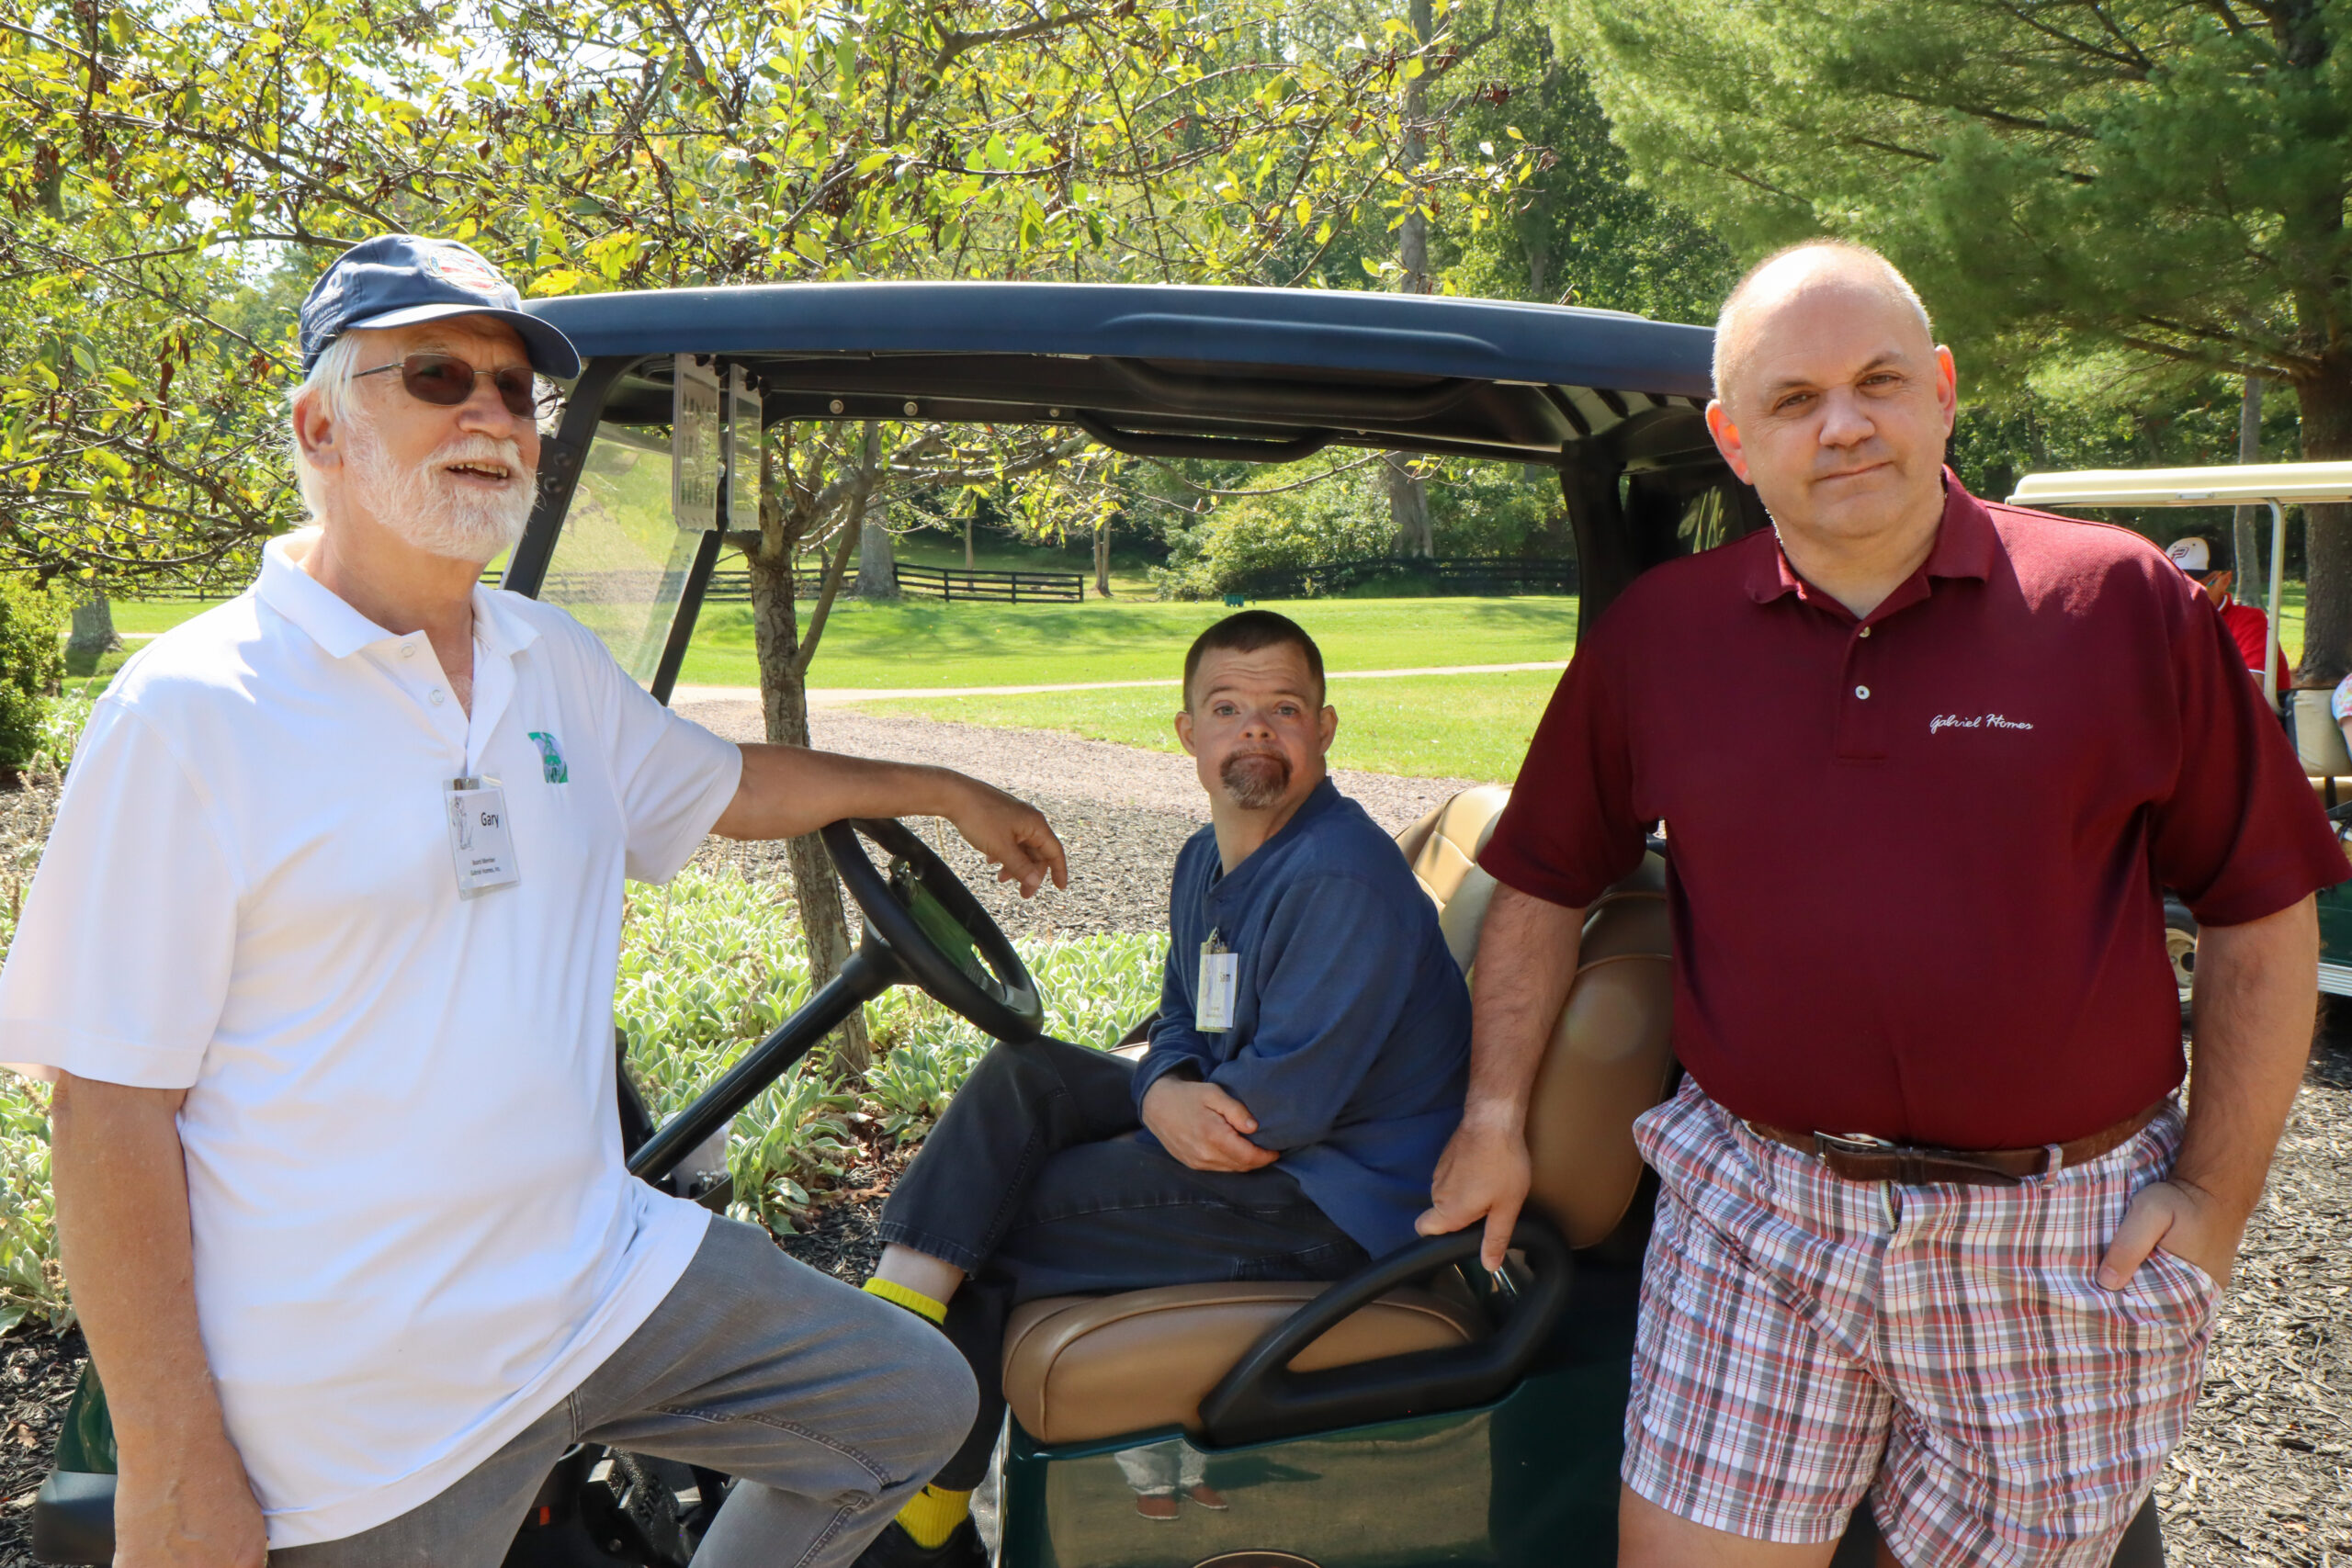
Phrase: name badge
(1220, 976)
(481, 841)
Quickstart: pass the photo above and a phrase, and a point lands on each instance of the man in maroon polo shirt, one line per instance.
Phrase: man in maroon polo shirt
(1932, 1231)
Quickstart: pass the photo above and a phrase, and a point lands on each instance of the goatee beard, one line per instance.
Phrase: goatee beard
(421, 505)
(1255, 779)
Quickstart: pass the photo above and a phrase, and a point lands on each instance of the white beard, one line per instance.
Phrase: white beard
(423, 506)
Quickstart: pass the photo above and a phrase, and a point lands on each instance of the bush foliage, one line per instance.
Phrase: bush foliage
(712, 962)
(1475, 509)
(32, 661)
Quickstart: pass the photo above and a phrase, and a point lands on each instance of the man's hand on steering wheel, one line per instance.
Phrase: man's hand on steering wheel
(1012, 834)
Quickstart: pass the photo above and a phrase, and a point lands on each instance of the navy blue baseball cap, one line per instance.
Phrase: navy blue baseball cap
(398, 280)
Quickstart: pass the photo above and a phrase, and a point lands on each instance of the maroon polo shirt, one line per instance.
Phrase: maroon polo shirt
(1915, 858)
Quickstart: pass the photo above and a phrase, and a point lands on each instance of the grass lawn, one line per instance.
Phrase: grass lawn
(158, 615)
(921, 643)
(1472, 727)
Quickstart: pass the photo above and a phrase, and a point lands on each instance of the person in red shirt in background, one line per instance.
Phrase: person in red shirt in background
(1934, 1235)
(2205, 559)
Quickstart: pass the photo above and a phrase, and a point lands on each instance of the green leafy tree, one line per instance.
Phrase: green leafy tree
(2060, 177)
(149, 151)
(1579, 229)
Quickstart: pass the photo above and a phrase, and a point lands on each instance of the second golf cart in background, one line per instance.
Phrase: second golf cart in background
(2317, 739)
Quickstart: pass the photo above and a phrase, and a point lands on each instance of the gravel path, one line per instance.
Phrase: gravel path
(1122, 813)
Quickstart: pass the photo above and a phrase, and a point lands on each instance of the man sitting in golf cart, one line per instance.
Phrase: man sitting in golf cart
(321, 958)
(1306, 1066)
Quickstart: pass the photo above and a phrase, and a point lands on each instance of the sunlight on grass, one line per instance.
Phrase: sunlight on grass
(1472, 727)
(915, 643)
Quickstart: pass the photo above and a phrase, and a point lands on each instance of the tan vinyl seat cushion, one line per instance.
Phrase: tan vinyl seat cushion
(1612, 1054)
(1443, 849)
(1443, 846)
(1080, 1367)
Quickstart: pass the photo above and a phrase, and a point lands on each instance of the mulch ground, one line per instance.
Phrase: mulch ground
(2265, 1475)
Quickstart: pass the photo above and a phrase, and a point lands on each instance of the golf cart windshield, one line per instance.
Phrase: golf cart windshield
(1612, 401)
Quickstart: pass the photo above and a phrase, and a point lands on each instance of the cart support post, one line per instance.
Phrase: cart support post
(2270, 637)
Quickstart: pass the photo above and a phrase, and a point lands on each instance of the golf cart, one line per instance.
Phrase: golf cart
(1418, 1413)
(2317, 739)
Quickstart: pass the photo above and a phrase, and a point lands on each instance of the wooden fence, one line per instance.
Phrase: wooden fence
(1437, 574)
(733, 586)
(993, 587)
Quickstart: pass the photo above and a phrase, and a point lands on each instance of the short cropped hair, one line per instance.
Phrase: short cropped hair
(1246, 633)
(1727, 320)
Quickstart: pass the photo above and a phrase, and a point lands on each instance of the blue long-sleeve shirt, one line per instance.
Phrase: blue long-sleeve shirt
(1351, 1037)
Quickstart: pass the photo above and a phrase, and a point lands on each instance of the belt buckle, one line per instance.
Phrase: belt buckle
(1826, 1144)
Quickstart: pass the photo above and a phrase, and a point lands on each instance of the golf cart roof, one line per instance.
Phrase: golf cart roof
(2238, 483)
(1172, 370)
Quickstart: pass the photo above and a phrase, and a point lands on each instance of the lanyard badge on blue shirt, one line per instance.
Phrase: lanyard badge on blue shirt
(1220, 976)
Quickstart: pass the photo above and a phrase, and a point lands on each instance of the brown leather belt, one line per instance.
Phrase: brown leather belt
(1859, 1159)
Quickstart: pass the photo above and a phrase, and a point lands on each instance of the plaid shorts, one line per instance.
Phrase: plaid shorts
(1946, 1351)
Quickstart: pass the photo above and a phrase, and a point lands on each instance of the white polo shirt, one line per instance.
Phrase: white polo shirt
(414, 1231)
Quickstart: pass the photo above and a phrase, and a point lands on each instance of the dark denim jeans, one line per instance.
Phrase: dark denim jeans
(1036, 1183)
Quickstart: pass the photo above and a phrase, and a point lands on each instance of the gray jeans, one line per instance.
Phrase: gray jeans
(831, 1408)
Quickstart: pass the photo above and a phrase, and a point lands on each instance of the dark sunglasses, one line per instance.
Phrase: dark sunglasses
(445, 380)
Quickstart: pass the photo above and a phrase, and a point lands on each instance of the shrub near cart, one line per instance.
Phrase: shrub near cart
(1419, 1413)
(2273, 486)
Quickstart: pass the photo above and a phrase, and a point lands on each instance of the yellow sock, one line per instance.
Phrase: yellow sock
(933, 1516)
(936, 1512)
(915, 1301)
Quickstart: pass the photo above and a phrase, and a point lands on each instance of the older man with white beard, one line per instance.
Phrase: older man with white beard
(338, 1172)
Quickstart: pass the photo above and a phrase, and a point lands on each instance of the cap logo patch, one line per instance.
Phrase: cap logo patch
(462, 269)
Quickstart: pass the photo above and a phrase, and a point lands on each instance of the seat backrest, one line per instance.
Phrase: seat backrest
(1610, 1056)
(1443, 846)
(1443, 849)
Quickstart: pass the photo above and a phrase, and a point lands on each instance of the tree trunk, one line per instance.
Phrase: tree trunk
(784, 702)
(2326, 406)
(1535, 241)
(93, 635)
(877, 572)
(2253, 584)
(968, 541)
(1102, 558)
(1409, 499)
(1409, 505)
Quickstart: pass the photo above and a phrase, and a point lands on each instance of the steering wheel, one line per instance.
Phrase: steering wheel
(921, 925)
(936, 929)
